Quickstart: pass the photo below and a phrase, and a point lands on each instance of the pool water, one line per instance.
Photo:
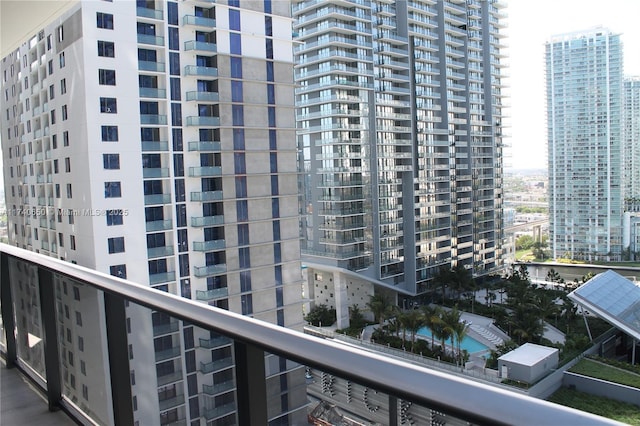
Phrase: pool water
(469, 343)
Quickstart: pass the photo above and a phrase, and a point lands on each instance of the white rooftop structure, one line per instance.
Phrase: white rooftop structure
(528, 354)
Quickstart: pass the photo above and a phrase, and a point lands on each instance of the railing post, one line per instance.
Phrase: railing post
(251, 384)
(50, 337)
(393, 411)
(117, 346)
(6, 304)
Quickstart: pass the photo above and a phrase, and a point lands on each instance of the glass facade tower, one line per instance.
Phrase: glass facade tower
(399, 118)
(584, 115)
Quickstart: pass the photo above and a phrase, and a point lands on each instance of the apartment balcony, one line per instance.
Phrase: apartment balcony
(167, 404)
(208, 245)
(23, 347)
(199, 21)
(151, 66)
(214, 366)
(148, 13)
(152, 92)
(206, 196)
(213, 146)
(162, 277)
(218, 388)
(218, 293)
(157, 199)
(200, 71)
(205, 171)
(203, 120)
(205, 271)
(200, 46)
(150, 39)
(155, 172)
(168, 354)
(153, 119)
(215, 342)
(159, 225)
(203, 96)
(156, 252)
(206, 221)
(155, 146)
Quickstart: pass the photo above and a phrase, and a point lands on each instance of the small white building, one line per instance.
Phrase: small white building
(528, 363)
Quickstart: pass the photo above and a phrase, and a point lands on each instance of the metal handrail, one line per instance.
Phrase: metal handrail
(459, 397)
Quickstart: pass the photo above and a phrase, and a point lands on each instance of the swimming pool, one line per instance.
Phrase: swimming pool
(469, 343)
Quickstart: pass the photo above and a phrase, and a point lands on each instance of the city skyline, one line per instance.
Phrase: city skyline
(527, 31)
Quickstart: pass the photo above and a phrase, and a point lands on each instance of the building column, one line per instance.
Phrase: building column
(341, 298)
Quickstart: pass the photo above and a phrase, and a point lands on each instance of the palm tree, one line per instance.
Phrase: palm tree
(380, 306)
(456, 329)
(430, 318)
(413, 320)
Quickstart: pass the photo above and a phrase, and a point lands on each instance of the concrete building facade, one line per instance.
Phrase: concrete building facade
(155, 141)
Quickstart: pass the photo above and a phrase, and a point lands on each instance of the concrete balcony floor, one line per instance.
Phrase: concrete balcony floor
(22, 404)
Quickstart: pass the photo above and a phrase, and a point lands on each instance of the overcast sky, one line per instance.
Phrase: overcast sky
(530, 24)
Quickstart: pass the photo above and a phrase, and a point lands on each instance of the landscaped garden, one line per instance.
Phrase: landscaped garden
(600, 370)
(616, 410)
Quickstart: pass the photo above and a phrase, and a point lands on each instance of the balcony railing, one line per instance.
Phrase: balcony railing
(34, 344)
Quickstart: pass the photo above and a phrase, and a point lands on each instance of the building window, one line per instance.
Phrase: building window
(236, 67)
(106, 49)
(114, 217)
(104, 20)
(72, 242)
(119, 271)
(247, 304)
(244, 257)
(65, 138)
(108, 105)
(63, 86)
(69, 191)
(80, 344)
(112, 190)
(109, 133)
(107, 77)
(116, 245)
(62, 60)
(67, 165)
(60, 33)
(85, 392)
(111, 161)
(78, 319)
(65, 114)
(53, 116)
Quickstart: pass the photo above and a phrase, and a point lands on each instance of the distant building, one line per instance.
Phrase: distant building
(584, 115)
(631, 151)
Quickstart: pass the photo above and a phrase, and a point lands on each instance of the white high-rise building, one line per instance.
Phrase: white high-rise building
(584, 118)
(155, 141)
(399, 113)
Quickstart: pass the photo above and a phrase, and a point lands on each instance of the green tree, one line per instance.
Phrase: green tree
(380, 306)
(413, 320)
(524, 242)
(456, 329)
(321, 315)
(431, 318)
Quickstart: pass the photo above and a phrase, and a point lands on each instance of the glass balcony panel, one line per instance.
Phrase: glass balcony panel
(221, 364)
(212, 294)
(218, 387)
(160, 252)
(30, 333)
(208, 245)
(155, 146)
(151, 66)
(169, 403)
(217, 412)
(153, 119)
(150, 39)
(168, 354)
(215, 342)
(200, 71)
(149, 13)
(206, 196)
(203, 96)
(150, 92)
(203, 121)
(163, 277)
(203, 271)
(199, 21)
(207, 171)
(204, 146)
(200, 45)
(159, 225)
(157, 199)
(207, 220)
(161, 172)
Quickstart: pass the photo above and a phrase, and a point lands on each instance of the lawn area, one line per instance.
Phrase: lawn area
(605, 407)
(598, 370)
(524, 255)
